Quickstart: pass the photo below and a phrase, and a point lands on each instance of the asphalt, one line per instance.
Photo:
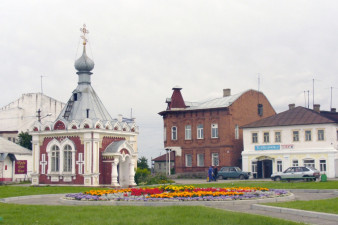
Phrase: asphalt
(244, 206)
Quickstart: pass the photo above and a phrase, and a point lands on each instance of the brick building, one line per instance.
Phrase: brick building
(208, 133)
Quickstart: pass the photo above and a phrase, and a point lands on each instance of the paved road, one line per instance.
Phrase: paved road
(303, 195)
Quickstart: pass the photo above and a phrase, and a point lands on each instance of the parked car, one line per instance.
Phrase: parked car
(297, 172)
(232, 172)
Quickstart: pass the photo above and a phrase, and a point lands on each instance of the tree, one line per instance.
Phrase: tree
(142, 163)
(25, 140)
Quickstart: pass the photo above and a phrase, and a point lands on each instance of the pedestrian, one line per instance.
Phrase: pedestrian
(210, 171)
(215, 173)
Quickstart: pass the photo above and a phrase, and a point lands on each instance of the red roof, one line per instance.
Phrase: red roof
(177, 99)
(296, 116)
(162, 158)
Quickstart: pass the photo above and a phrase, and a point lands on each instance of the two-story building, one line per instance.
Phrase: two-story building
(296, 137)
(208, 133)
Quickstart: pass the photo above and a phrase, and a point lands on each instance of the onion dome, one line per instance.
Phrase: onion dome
(84, 63)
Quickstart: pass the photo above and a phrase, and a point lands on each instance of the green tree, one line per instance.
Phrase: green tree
(142, 163)
(25, 140)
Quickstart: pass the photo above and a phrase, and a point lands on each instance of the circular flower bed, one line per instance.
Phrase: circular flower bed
(177, 193)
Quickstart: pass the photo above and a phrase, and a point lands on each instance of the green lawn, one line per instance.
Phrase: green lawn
(275, 185)
(325, 205)
(36, 214)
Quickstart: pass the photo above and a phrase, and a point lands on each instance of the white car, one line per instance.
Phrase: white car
(297, 172)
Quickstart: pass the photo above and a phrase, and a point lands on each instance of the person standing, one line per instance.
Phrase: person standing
(210, 171)
(215, 173)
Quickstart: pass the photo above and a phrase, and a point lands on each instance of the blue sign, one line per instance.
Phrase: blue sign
(267, 147)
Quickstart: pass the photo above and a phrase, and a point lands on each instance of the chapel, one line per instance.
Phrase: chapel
(85, 145)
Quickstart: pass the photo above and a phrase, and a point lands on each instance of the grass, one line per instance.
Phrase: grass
(333, 184)
(325, 205)
(38, 214)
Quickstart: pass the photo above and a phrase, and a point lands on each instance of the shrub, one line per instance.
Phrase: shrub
(141, 176)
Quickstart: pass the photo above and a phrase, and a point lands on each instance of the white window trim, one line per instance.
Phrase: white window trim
(255, 132)
(212, 158)
(280, 132)
(198, 160)
(200, 132)
(323, 134)
(187, 132)
(186, 160)
(264, 137)
(215, 128)
(311, 136)
(293, 136)
(165, 133)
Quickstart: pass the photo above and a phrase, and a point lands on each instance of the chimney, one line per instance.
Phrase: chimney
(333, 109)
(291, 106)
(316, 108)
(226, 92)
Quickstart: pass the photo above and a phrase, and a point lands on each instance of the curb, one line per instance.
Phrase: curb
(10, 199)
(299, 212)
(313, 190)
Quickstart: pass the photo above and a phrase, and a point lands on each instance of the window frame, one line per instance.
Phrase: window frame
(214, 130)
(187, 132)
(278, 138)
(214, 156)
(322, 165)
(187, 157)
(295, 136)
(236, 132)
(254, 141)
(55, 159)
(199, 162)
(200, 131)
(266, 138)
(307, 135)
(279, 165)
(320, 137)
(174, 133)
(67, 159)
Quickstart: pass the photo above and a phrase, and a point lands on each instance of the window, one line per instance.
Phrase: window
(337, 135)
(200, 134)
(200, 159)
(309, 162)
(266, 137)
(174, 133)
(260, 109)
(55, 158)
(254, 138)
(295, 162)
(165, 134)
(236, 132)
(308, 135)
(9, 138)
(295, 135)
(322, 165)
(188, 132)
(67, 159)
(215, 160)
(279, 166)
(278, 137)
(214, 130)
(188, 160)
(320, 135)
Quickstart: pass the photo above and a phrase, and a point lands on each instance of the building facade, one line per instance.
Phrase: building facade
(162, 163)
(15, 162)
(296, 137)
(208, 133)
(21, 114)
(84, 145)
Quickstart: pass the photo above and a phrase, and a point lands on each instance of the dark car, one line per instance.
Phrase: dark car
(232, 172)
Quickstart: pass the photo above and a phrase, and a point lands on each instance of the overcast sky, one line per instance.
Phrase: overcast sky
(143, 48)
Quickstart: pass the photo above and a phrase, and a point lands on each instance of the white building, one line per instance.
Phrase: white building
(15, 162)
(21, 114)
(296, 137)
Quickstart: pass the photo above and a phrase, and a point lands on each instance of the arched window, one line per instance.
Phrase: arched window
(55, 158)
(174, 133)
(67, 158)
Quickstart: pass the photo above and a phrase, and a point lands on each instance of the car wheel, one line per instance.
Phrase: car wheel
(241, 177)
(220, 177)
(277, 178)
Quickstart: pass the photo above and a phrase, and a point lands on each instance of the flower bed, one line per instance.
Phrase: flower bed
(177, 193)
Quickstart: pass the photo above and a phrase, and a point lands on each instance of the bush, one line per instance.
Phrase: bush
(141, 176)
(159, 179)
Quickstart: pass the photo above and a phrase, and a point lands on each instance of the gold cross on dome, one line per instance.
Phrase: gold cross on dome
(84, 31)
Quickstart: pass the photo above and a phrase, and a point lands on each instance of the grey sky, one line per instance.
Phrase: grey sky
(142, 49)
